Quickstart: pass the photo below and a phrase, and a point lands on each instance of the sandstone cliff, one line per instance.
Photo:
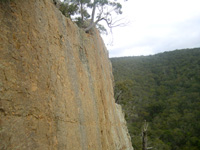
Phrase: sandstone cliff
(56, 90)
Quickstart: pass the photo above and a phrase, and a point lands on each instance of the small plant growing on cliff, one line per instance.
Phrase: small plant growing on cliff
(89, 13)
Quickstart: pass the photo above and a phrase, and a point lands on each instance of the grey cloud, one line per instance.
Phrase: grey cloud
(185, 35)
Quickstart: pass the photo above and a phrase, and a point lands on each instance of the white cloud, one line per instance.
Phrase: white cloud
(157, 25)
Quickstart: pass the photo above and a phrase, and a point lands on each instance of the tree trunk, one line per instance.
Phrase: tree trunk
(81, 11)
(144, 140)
(144, 136)
(92, 23)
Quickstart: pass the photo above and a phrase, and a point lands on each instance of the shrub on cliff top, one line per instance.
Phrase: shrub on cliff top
(93, 11)
(68, 9)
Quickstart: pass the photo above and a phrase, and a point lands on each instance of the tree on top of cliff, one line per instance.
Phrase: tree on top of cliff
(91, 12)
(68, 9)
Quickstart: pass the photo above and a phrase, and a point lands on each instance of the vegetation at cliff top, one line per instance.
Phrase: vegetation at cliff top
(164, 90)
(101, 10)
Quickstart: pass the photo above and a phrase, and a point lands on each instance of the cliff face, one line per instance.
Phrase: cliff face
(56, 90)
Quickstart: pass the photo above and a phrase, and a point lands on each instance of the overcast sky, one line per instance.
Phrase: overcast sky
(156, 26)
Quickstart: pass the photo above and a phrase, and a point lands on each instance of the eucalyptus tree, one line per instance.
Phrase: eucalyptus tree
(82, 4)
(94, 11)
(102, 11)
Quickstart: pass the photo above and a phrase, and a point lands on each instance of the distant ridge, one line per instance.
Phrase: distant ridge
(164, 90)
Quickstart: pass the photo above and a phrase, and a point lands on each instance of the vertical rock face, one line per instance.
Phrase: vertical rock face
(56, 89)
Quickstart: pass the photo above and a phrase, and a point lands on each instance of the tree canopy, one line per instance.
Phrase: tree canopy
(90, 12)
(164, 90)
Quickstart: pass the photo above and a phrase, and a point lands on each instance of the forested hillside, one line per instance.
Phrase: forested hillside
(164, 90)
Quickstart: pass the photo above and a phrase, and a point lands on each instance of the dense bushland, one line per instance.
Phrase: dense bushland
(164, 90)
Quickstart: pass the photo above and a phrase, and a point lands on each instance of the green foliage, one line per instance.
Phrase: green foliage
(82, 9)
(68, 9)
(102, 29)
(164, 90)
(100, 10)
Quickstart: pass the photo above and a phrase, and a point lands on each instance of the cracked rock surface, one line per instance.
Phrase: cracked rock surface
(56, 90)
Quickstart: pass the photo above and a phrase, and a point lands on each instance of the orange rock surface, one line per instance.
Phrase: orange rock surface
(56, 83)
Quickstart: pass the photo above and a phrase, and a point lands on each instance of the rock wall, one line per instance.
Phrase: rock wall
(56, 90)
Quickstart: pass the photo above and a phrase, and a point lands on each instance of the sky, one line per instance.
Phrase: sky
(155, 26)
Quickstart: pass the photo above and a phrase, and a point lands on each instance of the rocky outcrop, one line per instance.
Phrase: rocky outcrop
(56, 90)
